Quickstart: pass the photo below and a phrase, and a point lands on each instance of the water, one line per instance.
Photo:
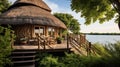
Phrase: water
(103, 39)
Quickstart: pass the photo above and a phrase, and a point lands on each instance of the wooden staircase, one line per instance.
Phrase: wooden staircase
(23, 58)
(79, 45)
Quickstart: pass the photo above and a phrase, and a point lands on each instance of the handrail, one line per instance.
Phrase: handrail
(81, 42)
(44, 42)
(77, 49)
(73, 45)
(75, 42)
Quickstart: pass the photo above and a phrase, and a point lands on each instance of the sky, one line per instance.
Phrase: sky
(63, 6)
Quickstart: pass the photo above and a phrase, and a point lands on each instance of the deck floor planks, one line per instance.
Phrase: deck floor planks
(52, 46)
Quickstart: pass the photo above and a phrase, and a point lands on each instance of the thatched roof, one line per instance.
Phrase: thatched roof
(38, 3)
(30, 12)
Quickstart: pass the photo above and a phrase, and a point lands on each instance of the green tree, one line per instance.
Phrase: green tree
(4, 4)
(71, 23)
(97, 10)
(6, 37)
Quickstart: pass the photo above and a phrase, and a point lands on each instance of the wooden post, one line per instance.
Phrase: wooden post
(60, 32)
(84, 38)
(67, 41)
(57, 31)
(12, 43)
(44, 43)
(12, 40)
(90, 45)
(81, 39)
(38, 44)
(78, 39)
(46, 31)
(89, 49)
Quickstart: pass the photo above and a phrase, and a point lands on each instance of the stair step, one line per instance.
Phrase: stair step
(26, 66)
(18, 50)
(31, 52)
(23, 58)
(25, 61)
(15, 57)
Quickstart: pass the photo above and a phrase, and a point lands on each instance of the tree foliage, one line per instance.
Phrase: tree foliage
(6, 35)
(4, 4)
(71, 23)
(97, 10)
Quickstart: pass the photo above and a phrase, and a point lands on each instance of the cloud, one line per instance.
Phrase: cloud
(54, 7)
(108, 27)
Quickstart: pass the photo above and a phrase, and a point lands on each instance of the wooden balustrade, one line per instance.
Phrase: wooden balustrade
(73, 41)
(80, 41)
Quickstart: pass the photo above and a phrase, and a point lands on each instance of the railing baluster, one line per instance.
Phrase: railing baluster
(44, 43)
(79, 41)
(38, 43)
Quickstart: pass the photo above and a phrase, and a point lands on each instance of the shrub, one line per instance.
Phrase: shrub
(6, 35)
(74, 60)
(114, 54)
(49, 61)
(107, 56)
(110, 54)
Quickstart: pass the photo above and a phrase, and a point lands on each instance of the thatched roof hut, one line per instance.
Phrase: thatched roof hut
(30, 12)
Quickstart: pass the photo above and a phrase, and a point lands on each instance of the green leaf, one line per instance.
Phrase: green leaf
(94, 10)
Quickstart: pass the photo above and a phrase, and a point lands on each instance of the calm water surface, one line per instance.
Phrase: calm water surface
(103, 39)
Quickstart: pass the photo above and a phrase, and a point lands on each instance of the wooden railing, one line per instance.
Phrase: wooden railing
(80, 44)
(43, 42)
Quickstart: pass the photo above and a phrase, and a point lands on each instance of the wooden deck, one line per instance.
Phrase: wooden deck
(78, 45)
(52, 46)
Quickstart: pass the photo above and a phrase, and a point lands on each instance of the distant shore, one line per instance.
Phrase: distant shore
(102, 33)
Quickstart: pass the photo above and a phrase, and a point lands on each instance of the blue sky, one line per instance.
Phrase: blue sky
(63, 6)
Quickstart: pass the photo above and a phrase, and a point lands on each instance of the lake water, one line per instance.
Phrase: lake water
(103, 39)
